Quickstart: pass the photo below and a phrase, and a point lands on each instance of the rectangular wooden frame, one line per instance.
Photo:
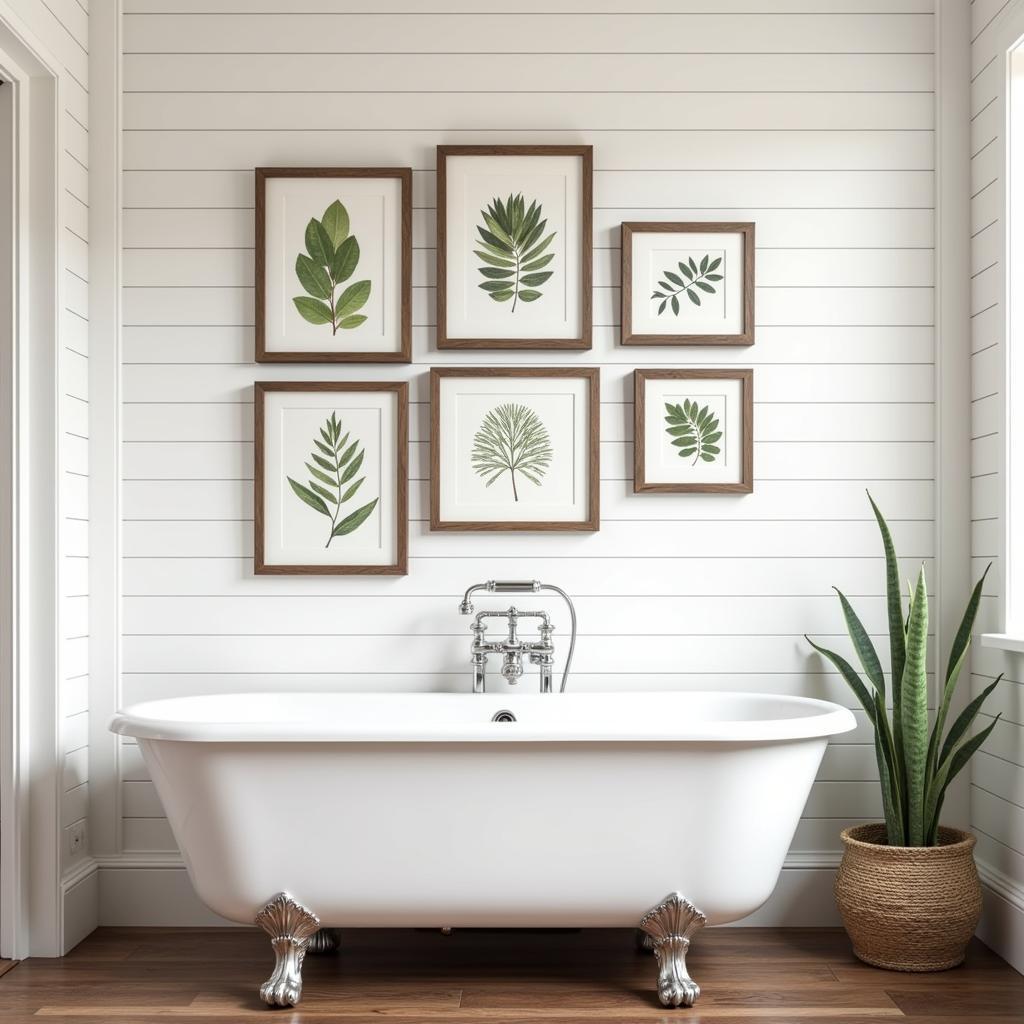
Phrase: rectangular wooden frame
(629, 228)
(401, 563)
(640, 378)
(590, 374)
(404, 355)
(584, 341)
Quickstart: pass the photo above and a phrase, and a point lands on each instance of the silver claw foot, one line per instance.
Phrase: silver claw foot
(290, 927)
(671, 925)
(326, 940)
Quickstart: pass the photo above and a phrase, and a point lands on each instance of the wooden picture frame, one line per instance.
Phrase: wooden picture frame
(556, 395)
(464, 318)
(662, 476)
(389, 253)
(314, 432)
(639, 321)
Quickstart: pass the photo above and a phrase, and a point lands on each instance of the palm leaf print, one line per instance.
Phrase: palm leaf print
(512, 439)
(329, 260)
(691, 279)
(333, 465)
(694, 431)
(512, 244)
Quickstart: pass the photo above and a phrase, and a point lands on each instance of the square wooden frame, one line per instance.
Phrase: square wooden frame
(640, 378)
(404, 355)
(590, 374)
(629, 228)
(584, 341)
(400, 566)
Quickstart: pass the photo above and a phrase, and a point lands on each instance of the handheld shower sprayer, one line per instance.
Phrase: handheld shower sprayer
(526, 587)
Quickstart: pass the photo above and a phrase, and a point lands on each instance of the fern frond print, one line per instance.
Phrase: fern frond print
(333, 465)
(512, 439)
(694, 431)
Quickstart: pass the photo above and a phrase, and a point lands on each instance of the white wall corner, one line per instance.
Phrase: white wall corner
(952, 350)
(1002, 922)
(80, 893)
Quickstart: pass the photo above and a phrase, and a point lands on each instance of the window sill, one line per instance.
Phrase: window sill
(1004, 641)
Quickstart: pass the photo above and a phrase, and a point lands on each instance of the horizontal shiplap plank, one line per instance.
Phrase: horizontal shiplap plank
(727, 540)
(570, 72)
(904, 189)
(216, 423)
(435, 614)
(770, 149)
(777, 228)
(494, 109)
(474, 32)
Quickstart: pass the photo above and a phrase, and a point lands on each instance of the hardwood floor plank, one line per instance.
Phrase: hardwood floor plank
(767, 976)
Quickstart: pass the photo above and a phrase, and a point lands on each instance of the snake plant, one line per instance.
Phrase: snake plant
(915, 766)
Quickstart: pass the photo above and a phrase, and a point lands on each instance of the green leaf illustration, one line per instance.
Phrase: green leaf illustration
(694, 431)
(337, 465)
(512, 439)
(331, 257)
(690, 281)
(512, 249)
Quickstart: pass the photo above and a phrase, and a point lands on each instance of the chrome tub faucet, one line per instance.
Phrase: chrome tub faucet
(540, 652)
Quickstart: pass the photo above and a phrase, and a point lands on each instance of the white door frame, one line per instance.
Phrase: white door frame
(30, 754)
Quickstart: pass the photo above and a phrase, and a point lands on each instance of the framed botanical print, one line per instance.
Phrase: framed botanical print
(514, 449)
(687, 284)
(331, 477)
(333, 264)
(514, 247)
(693, 431)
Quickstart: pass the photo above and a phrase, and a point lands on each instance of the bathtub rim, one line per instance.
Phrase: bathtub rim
(142, 721)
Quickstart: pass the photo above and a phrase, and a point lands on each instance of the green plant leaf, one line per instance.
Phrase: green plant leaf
(352, 298)
(850, 675)
(494, 261)
(533, 280)
(965, 719)
(538, 249)
(528, 294)
(538, 264)
(314, 501)
(344, 261)
(347, 454)
(352, 321)
(313, 278)
(322, 476)
(494, 286)
(354, 521)
(353, 468)
(352, 490)
(496, 273)
(313, 310)
(862, 644)
(914, 692)
(335, 223)
(897, 635)
(318, 244)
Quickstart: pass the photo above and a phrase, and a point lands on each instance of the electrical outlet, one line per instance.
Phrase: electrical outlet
(76, 838)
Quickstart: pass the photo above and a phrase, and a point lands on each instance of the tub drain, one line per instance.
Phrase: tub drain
(503, 716)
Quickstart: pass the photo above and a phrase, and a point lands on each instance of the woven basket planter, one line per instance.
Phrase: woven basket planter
(908, 908)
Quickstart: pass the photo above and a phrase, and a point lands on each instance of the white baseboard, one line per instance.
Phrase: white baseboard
(80, 894)
(1002, 922)
(148, 892)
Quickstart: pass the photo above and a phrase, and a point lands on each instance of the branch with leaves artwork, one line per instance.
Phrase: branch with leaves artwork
(512, 247)
(691, 280)
(330, 259)
(512, 439)
(334, 463)
(694, 431)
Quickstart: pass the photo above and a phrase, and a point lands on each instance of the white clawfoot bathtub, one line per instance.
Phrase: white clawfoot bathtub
(417, 810)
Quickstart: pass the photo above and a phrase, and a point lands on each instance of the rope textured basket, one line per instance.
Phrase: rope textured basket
(908, 908)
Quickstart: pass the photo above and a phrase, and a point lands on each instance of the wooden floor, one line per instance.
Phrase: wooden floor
(134, 976)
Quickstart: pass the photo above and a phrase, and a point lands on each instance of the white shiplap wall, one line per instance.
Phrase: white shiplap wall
(813, 119)
(997, 792)
(62, 27)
